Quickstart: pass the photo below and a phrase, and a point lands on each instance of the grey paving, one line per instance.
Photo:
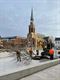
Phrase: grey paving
(52, 73)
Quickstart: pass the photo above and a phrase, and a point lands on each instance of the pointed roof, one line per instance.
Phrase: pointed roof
(32, 19)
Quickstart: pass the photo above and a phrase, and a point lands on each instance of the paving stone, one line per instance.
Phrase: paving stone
(52, 73)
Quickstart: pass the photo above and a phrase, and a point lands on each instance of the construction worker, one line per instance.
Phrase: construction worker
(18, 54)
(51, 52)
(30, 52)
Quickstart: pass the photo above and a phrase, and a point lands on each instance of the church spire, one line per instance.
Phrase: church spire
(32, 19)
(31, 26)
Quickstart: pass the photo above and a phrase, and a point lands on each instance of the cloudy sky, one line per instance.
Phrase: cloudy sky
(15, 17)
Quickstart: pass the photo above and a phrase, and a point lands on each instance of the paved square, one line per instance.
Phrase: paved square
(52, 73)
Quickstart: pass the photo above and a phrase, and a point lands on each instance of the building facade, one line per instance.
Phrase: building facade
(14, 42)
(1, 43)
(57, 43)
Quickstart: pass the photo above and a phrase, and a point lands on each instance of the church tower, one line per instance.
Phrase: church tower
(34, 40)
(31, 33)
(31, 26)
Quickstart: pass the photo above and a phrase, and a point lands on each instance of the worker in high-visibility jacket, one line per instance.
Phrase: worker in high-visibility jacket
(51, 52)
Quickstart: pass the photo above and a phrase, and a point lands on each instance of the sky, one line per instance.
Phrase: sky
(15, 17)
